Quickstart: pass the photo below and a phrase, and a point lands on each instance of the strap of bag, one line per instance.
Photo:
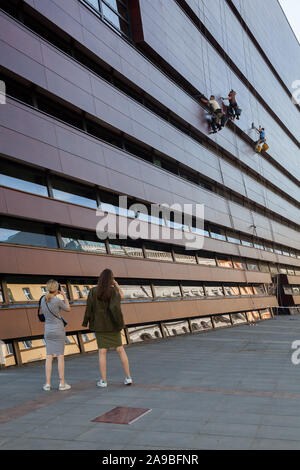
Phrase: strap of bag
(59, 318)
(40, 304)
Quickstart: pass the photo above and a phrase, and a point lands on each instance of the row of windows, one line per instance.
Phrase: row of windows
(24, 178)
(291, 290)
(98, 131)
(115, 12)
(34, 349)
(31, 292)
(28, 233)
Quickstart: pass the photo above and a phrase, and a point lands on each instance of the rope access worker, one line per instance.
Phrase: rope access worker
(262, 138)
(218, 118)
(233, 110)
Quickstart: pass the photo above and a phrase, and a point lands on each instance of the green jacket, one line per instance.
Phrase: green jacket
(98, 316)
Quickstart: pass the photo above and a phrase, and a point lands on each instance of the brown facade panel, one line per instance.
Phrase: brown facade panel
(293, 280)
(25, 260)
(23, 322)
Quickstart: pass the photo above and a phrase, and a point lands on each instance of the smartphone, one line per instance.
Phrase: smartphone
(59, 288)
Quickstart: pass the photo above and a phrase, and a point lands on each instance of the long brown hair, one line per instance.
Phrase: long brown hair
(105, 282)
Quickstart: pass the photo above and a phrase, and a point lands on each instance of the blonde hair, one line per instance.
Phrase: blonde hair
(52, 287)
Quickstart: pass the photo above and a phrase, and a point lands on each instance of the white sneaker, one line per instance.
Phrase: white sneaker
(128, 381)
(65, 386)
(46, 387)
(102, 383)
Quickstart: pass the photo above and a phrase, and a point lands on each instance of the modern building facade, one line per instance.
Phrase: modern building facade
(102, 100)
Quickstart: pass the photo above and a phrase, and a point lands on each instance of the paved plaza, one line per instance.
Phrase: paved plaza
(233, 388)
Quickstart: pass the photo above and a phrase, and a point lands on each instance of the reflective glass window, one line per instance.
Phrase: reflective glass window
(158, 253)
(238, 318)
(23, 178)
(185, 257)
(214, 291)
(192, 290)
(144, 333)
(252, 265)
(82, 241)
(75, 193)
(217, 233)
(296, 290)
(224, 261)
(176, 328)
(167, 290)
(233, 238)
(246, 290)
(246, 241)
(221, 321)
(206, 258)
(22, 232)
(232, 290)
(265, 314)
(202, 323)
(259, 289)
(123, 248)
(239, 263)
(142, 291)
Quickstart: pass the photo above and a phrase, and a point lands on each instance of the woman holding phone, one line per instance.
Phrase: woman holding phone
(55, 335)
(104, 315)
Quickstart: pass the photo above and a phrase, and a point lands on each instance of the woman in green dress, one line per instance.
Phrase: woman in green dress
(104, 316)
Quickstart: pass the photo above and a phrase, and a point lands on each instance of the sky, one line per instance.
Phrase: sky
(292, 11)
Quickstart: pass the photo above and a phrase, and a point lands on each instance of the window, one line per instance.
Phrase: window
(264, 267)
(135, 291)
(27, 293)
(184, 257)
(9, 349)
(217, 233)
(273, 269)
(282, 269)
(126, 248)
(21, 232)
(144, 332)
(278, 250)
(290, 271)
(176, 328)
(221, 321)
(1, 296)
(59, 111)
(246, 290)
(296, 290)
(239, 263)
(85, 291)
(27, 344)
(238, 318)
(269, 247)
(23, 178)
(232, 290)
(259, 289)
(115, 12)
(44, 290)
(288, 290)
(75, 193)
(82, 241)
(224, 261)
(206, 258)
(192, 289)
(265, 314)
(252, 265)
(167, 290)
(285, 252)
(158, 252)
(246, 241)
(214, 291)
(233, 238)
(111, 203)
(77, 292)
(258, 245)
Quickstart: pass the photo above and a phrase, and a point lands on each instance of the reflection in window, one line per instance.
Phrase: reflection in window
(21, 232)
(158, 253)
(27, 293)
(252, 265)
(239, 263)
(176, 328)
(232, 290)
(221, 321)
(288, 290)
(224, 261)
(238, 318)
(167, 290)
(81, 241)
(246, 241)
(27, 344)
(233, 238)
(259, 289)
(217, 233)
(282, 269)
(265, 314)
(114, 11)
(192, 290)
(125, 249)
(264, 267)
(246, 290)
(206, 258)
(253, 316)
(296, 290)
(75, 193)
(23, 178)
(202, 323)
(273, 269)
(1, 296)
(144, 333)
(258, 245)
(181, 257)
(214, 291)
(136, 291)
(77, 294)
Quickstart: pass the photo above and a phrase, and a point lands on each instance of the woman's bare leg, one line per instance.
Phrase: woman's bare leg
(61, 368)
(124, 360)
(102, 363)
(48, 368)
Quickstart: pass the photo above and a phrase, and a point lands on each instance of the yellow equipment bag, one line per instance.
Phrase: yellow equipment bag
(259, 149)
(265, 147)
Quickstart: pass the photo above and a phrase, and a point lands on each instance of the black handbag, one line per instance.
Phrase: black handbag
(41, 316)
(60, 318)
